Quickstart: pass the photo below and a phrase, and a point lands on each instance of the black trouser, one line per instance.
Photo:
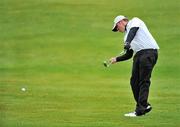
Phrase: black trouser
(143, 63)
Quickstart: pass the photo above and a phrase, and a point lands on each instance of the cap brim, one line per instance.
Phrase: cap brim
(114, 29)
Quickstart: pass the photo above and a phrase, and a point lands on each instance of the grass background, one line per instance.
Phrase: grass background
(55, 49)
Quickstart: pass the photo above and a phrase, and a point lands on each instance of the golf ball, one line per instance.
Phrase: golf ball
(23, 89)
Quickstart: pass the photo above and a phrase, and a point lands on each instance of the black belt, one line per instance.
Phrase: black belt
(146, 51)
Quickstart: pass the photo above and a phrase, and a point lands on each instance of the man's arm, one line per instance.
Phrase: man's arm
(126, 56)
(130, 37)
(129, 52)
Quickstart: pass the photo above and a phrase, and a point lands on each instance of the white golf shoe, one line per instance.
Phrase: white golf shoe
(131, 114)
(134, 114)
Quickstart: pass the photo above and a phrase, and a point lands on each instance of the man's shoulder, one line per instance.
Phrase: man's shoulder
(136, 19)
(135, 22)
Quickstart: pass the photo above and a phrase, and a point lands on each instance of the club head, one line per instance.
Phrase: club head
(105, 64)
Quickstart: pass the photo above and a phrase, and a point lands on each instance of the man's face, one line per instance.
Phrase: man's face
(121, 26)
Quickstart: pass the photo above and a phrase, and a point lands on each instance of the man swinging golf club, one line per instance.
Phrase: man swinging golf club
(137, 40)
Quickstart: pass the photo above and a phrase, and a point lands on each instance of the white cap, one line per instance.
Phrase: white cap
(116, 20)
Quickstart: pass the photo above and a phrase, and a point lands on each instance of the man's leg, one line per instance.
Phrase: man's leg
(134, 84)
(135, 79)
(147, 62)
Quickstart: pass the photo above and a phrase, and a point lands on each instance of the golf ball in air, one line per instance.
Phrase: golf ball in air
(23, 89)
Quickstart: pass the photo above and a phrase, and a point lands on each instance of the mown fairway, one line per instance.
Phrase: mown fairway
(55, 49)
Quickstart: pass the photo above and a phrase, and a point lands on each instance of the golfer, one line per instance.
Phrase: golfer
(139, 41)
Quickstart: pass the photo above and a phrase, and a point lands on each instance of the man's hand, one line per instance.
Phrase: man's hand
(113, 60)
(127, 46)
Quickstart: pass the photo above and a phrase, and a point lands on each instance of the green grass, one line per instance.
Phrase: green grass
(55, 49)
